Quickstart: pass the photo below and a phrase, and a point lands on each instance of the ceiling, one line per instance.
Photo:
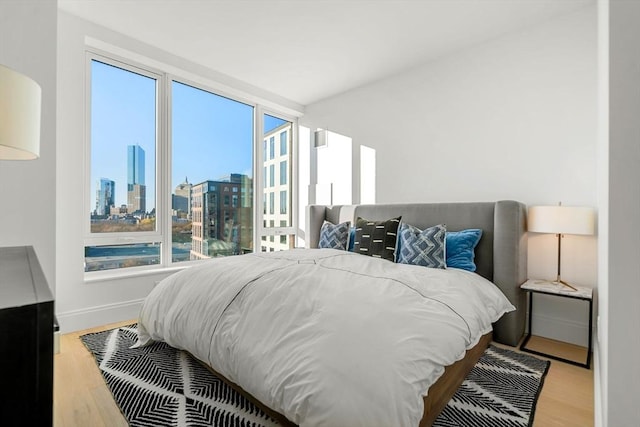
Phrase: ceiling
(307, 50)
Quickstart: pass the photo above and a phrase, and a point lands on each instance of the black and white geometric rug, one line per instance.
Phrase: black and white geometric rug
(501, 390)
(159, 386)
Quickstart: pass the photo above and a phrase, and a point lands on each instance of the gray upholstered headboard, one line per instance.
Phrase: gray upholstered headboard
(501, 255)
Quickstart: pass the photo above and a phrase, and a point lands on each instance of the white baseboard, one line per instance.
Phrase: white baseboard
(85, 318)
(561, 329)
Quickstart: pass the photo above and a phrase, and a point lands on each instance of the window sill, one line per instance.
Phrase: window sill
(108, 275)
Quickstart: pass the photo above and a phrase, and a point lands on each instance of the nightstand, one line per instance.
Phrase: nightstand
(544, 287)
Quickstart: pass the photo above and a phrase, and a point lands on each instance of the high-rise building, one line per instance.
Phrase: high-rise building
(135, 165)
(105, 197)
(137, 198)
(222, 217)
(276, 187)
(136, 190)
(181, 199)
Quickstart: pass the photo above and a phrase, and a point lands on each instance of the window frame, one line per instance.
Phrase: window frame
(163, 163)
(123, 238)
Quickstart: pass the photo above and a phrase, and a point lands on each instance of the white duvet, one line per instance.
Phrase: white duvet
(325, 337)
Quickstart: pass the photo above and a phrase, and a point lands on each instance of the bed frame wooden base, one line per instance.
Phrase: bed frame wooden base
(439, 393)
(443, 390)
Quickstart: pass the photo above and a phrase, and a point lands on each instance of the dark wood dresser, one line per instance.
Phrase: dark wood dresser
(26, 340)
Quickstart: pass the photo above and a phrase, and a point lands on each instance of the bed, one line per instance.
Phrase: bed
(329, 337)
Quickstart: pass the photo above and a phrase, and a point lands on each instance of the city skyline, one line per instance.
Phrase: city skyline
(123, 113)
(212, 136)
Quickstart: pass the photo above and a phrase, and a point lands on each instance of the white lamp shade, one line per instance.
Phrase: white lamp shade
(19, 116)
(561, 220)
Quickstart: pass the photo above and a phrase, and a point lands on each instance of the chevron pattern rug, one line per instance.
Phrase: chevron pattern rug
(500, 391)
(158, 386)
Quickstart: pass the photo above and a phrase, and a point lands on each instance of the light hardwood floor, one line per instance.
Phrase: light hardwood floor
(81, 397)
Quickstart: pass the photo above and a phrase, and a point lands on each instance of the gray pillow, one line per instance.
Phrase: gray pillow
(422, 247)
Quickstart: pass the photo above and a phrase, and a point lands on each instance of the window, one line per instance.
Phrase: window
(206, 192)
(272, 175)
(283, 202)
(283, 172)
(125, 193)
(122, 190)
(264, 148)
(272, 148)
(212, 145)
(283, 143)
(271, 202)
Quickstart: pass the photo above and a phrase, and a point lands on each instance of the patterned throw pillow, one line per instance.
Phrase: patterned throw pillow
(422, 247)
(334, 236)
(377, 238)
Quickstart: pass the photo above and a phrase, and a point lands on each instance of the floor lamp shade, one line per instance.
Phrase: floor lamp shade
(19, 116)
(561, 220)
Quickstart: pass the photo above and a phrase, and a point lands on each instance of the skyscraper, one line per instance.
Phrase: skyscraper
(135, 165)
(105, 197)
(136, 190)
(181, 199)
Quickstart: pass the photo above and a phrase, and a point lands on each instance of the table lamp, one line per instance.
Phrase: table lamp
(561, 220)
(19, 116)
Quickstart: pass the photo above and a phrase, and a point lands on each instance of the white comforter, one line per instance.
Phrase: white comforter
(325, 337)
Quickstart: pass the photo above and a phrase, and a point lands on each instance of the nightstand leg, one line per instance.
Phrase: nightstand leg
(588, 364)
(530, 313)
(529, 326)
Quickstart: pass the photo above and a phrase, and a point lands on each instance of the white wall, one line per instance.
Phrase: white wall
(514, 118)
(619, 317)
(28, 190)
(600, 353)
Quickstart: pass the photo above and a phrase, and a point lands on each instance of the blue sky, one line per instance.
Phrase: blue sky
(212, 136)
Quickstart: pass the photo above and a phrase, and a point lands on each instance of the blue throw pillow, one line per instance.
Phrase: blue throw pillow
(334, 236)
(461, 248)
(422, 247)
